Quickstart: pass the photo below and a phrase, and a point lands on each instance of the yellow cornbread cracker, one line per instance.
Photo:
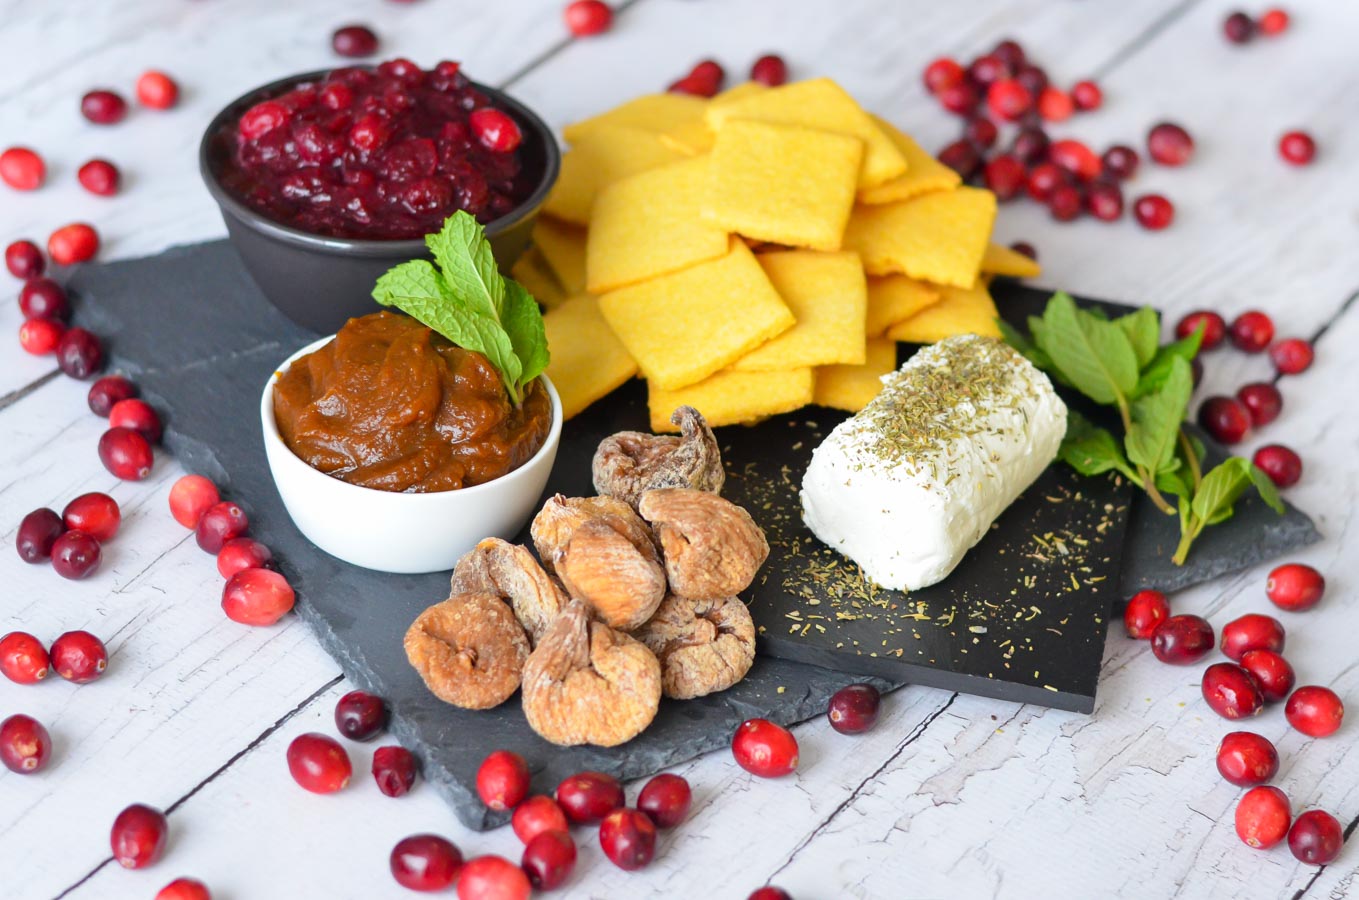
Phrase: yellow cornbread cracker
(851, 387)
(937, 237)
(563, 249)
(685, 326)
(827, 295)
(823, 104)
(695, 137)
(733, 398)
(649, 225)
(998, 260)
(782, 183)
(924, 173)
(533, 273)
(588, 360)
(607, 153)
(650, 112)
(961, 311)
(893, 299)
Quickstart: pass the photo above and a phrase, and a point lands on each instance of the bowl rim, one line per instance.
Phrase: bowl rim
(407, 248)
(296, 463)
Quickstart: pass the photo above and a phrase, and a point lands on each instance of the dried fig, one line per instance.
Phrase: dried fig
(469, 649)
(616, 571)
(703, 645)
(712, 547)
(560, 516)
(589, 684)
(629, 463)
(510, 572)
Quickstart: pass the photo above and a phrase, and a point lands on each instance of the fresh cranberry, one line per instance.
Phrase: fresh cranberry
(1010, 53)
(257, 597)
(1055, 105)
(191, 497)
(75, 555)
(1316, 838)
(22, 169)
(360, 716)
(1153, 212)
(1247, 759)
(25, 745)
(1273, 22)
(854, 708)
(43, 298)
(262, 118)
(943, 73)
(589, 796)
(23, 659)
(138, 836)
(495, 130)
(692, 86)
(1251, 632)
(184, 888)
(535, 815)
(710, 74)
(981, 132)
(218, 524)
(1213, 325)
(1169, 144)
(1291, 356)
(769, 892)
(24, 259)
(38, 532)
(394, 770)
(1231, 691)
(1120, 161)
(1075, 157)
(1104, 200)
(1065, 202)
(108, 391)
(1238, 28)
(503, 780)
(1282, 465)
(961, 157)
(961, 99)
(1262, 817)
(1315, 711)
(1025, 249)
(157, 90)
(1262, 400)
(1008, 99)
(1272, 672)
(137, 415)
(549, 858)
(354, 40)
(1297, 147)
(1005, 177)
(40, 337)
(126, 454)
(95, 514)
(1087, 95)
(1225, 418)
(243, 553)
(425, 862)
(1144, 613)
(1252, 331)
(103, 107)
(79, 657)
(318, 763)
(1045, 178)
(769, 70)
(986, 69)
(1029, 146)
(588, 17)
(100, 177)
(71, 244)
(666, 799)
(1295, 587)
(493, 878)
(765, 749)
(1182, 640)
(628, 837)
(1034, 78)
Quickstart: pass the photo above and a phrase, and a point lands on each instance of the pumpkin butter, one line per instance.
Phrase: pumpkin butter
(392, 405)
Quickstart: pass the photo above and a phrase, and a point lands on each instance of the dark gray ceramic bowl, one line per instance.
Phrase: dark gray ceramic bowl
(321, 282)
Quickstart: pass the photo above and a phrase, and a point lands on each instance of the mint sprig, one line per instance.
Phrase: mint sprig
(463, 296)
(1120, 363)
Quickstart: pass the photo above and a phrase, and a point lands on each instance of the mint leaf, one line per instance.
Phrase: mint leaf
(1154, 374)
(1222, 486)
(1089, 449)
(1026, 348)
(1094, 355)
(1269, 491)
(412, 281)
(464, 255)
(1143, 329)
(1156, 419)
(524, 324)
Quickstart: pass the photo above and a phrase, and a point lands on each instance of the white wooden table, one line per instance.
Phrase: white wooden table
(951, 795)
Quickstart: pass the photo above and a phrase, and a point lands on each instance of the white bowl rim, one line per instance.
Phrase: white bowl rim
(271, 434)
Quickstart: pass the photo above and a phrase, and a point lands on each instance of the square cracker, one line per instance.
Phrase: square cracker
(606, 154)
(962, 311)
(937, 237)
(695, 137)
(851, 387)
(563, 249)
(827, 295)
(893, 299)
(588, 360)
(782, 183)
(532, 271)
(924, 173)
(650, 112)
(649, 225)
(818, 103)
(998, 260)
(685, 326)
(734, 398)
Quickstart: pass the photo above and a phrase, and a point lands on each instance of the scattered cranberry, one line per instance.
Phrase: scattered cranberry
(666, 799)
(1169, 144)
(318, 763)
(360, 716)
(1008, 99)
(1297, 147)
(1025, 249)
(1272, 672)
(257, 597)
(981, 132)
(425, 862)
(503, 780)
(184, 889)
(1247, 759)
(961, 157)
(1273, 22)
(535, 815)
(1045, 178)
(1251, 632)
(1316, 838)
(943, 73)
(37, 533)
(354, 41)
(589, 796)
(1295, 587)
(769, 892)
(1087, 95)
(692, 86)
(588, 17)
(99, 177)
(493, 878)
(23, 659)
(1214, 328)
(1104, 200)
(1252, 331)
(1262, 400)
(1291, 356)
(769, 70)
(1262, 817)
(40, 337)
(157, 90)
(1153, 212)
(1282, 465)
(1231, 691)
(394, 770)
(218, 524)
(137, 415)
(79, 657)
(1182, 640)
(243, 553)
(126, 454)
(1005, 176)
(1315, 711)
(496, 130)
(1010, 53)
(95, 514)
(191, 497)
(1075, 157)
(1029, 146)
(709, 74)
(961, 99)
(103, 107)
(43, 298)
(1239, 28)
(1065, 202)
(1120, 161)
(75, 555)
(1144, 614)
(24, 259)
(764, 749)
(854, 708)
(1225, 418)
(108, 391)
(25, 746)
(1055, 105)
(71, 244)
(22, 169)
(986, 69)
(628, 837)
(138, 836)
(549, 859)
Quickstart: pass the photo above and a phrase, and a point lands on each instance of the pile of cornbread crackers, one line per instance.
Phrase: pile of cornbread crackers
(754, 253)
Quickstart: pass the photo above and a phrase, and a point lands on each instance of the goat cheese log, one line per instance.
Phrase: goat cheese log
(911, 483)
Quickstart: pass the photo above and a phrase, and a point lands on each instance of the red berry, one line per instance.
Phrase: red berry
(157, 90)
(24, 259)
(1315, 711)
(1008, 99)
(493, 878)
(1252, 331)
(549, 859)
(22, 169)
(1104, 200)
(95, 514)
(1153, 212)
(666, 799)
(126, 454)
(107, 391)
(1025, 249)
(1262, 400)
(1225, 418)
(1231, 691)
(1055, 105)
(1316, 838)
(1247, 759)
(943, 73)
(1144, 614)
(360, 716)
(1272, 672)
(23, 659)
(1120, 161)
(75, 555)
(1010, 53)
(535, 815)
(1262, 817)
(503, 780)
(961, 157)
(961, 98)
(1182, 640)
(1029, 146)
(1034, 78)
(1214, 328)
(103, 107)
(1075, 157)
(394, 770)
(587, 17)
(218, 524)
(589, 796)
(1291, 356)
(243, 553)
(1045, 178)
(40, 336)
(138, 836)
(1295, 587)
(79, 353)
(425, 862)
(264, 117)
(71, 244)
(184, 888)
(1238, 28)
(1252, 632)
(318, 763)
(1065, 202)
(1169, 144)
(43, 298)
(1087, 95)
(37, 533)
(99, 177)
(25, 746)
(769, 892)
(981, 132)
(769, 70)
(764, 749)
(1005, 176)
(190, 498)
(854, 708)
(1282, 465)
(986, 69)
(79, 657)
(628, 837)
(495, 130)
(1297, 147)
(1273, 22)
(354, 41)
(692, 86)
(257, 597)
(708, 73)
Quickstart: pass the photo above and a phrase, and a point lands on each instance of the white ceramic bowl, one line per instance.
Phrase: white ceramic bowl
(402, 533)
